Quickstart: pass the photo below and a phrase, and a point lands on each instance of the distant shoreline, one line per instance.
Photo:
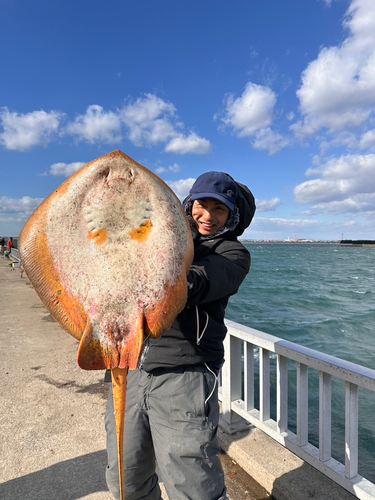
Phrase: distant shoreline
(338, 243)
(251, 242)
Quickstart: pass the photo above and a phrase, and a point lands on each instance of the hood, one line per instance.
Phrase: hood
(246, 205)
(244, 213)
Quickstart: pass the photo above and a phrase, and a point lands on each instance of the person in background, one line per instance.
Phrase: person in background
(172, 410)
(10, 244)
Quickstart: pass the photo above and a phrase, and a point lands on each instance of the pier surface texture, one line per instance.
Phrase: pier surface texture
(52, 443)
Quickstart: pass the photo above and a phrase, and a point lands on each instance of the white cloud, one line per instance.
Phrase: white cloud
(24, 131)
(189, 144)
(367, 140)
(149, 120)
(290, 223)
(172, 168)
(283, 229)
(359, 168)
(319, 190)
(250, 112)
(268, 140)
(96, 126)
(267, 205)
(338, 88)
(345, 139)
(350, 141)
(181, 188)
(66, 169)
(280, 229)
(312, 172)
(346, 184)
(353, 204)
(18, 210)
(251, 116)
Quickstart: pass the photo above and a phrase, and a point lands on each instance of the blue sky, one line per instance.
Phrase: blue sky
(281, 95)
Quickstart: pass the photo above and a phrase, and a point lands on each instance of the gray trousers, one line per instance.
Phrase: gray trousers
(171, 418)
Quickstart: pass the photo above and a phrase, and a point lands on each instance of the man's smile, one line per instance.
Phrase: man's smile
(210, 215)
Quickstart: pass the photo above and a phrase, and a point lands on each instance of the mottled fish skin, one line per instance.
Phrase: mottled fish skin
(108, 254)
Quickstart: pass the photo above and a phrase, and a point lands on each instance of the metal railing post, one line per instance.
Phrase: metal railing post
(302, 404)
(264, 384)
(324, 416)
(231, 388)
(282, 393)
(351, 430)
(249, 376)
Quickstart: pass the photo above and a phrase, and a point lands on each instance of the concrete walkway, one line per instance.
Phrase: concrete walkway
(52, 443)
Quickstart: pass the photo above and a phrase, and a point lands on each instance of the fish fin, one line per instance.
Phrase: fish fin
(92, 355)
(130, 350)
(39, 266)
(119, 377)
(161, 316)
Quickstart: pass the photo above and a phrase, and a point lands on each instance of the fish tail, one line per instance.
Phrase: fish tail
(119, 377)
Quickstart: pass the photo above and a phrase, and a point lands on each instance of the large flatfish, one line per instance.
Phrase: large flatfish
(108, 254)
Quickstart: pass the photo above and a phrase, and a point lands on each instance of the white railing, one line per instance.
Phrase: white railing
(14, 254)
(237, 396)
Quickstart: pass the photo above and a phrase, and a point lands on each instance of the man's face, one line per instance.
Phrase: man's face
(210, 215)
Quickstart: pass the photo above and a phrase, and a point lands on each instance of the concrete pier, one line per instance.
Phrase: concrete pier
(52, 443)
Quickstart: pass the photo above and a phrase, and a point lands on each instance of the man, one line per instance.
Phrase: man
(172, 410)
(10, 244)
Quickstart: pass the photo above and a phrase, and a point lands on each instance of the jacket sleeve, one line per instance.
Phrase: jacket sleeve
(219, 274)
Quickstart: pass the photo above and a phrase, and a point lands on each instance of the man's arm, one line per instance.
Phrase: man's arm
(218, 275)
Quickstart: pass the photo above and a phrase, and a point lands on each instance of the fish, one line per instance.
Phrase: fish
(108, 253)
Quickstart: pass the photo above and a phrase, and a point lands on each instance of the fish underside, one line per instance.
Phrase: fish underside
(108, 254)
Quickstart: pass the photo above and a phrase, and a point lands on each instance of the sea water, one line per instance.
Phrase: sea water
(321, 297)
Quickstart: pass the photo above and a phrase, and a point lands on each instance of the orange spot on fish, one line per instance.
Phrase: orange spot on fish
(142, 232)
(98, 237)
